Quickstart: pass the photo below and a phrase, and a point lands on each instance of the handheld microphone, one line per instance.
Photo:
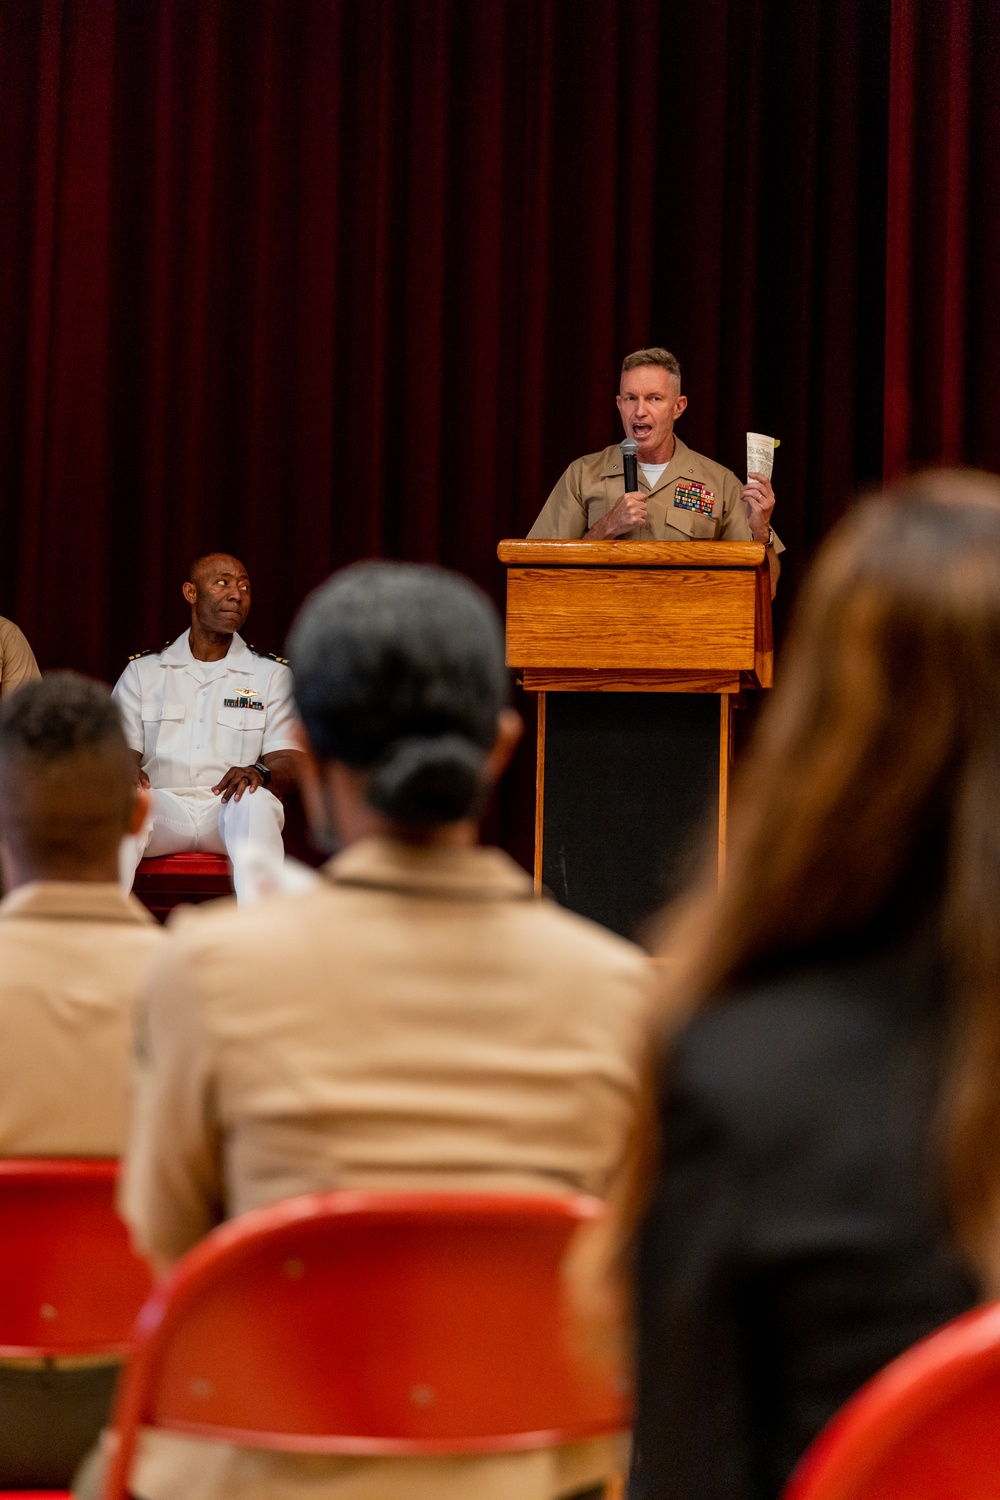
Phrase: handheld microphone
(630, 450)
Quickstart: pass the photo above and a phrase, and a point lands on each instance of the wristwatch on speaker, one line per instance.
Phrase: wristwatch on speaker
(259, 765)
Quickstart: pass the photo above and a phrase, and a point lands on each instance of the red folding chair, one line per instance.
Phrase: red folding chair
(70, 1284)
(361, 1323)
(927, 1427)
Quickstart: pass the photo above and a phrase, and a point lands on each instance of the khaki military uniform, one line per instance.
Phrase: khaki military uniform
(418, 1020)
(74, 958)
(694, 500)
(17, 660)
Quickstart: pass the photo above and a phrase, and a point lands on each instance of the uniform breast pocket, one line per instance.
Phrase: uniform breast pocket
(161, 727)
(703, 528)
(692, 523)
(241, 735)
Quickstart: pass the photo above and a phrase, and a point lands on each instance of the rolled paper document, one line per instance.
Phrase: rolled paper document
(760, 453)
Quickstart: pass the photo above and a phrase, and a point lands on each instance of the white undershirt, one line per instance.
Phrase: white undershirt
(652, 473)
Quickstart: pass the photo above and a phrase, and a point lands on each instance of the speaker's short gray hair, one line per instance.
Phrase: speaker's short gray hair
(655, 356)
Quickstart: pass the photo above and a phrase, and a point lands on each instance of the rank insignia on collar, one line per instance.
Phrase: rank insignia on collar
(246, 699)
(690, 494)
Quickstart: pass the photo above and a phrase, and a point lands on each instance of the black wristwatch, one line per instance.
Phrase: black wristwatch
(259, 765)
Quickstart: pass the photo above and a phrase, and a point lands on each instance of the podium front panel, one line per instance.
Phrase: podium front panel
(620, 618)
(629, 797)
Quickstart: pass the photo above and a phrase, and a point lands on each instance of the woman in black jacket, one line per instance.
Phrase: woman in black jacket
(829, 1114)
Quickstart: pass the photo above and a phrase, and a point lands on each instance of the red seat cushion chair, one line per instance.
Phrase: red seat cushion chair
(71, 1284)
(177, 879)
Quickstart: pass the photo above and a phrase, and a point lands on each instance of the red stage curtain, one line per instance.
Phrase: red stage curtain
(942, 278)
(296, 280)
(321, 280)
(318, 281)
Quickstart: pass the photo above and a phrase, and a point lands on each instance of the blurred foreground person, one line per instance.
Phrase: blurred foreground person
(75, 952)
(417, 1021)
(830, 1115)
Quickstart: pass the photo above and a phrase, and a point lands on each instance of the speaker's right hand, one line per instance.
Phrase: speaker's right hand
(631, 511)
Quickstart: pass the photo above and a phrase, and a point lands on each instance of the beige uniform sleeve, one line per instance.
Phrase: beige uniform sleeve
(171, 1193)
(563, 517)
(735, 526)
(17, 660)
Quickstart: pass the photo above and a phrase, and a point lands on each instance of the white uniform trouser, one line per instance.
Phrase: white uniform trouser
(248, 832)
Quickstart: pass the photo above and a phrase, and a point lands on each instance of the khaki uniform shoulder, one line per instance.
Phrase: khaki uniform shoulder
(603, 460)
(714, 471)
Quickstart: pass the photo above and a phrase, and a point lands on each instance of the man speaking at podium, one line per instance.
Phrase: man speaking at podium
(681, 496)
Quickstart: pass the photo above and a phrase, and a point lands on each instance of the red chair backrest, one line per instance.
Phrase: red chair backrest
(71, 1284)
(360, 1323)
(927, 1427)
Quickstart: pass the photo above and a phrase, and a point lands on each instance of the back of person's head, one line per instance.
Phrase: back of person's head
(67, 780)
(869, 802)
(399, 672)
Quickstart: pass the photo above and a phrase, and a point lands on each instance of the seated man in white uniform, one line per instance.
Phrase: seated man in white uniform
(211, 724)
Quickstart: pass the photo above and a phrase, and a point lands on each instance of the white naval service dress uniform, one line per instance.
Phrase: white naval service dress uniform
(193, 720)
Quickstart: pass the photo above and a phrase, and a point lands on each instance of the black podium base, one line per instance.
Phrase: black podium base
(629, 799)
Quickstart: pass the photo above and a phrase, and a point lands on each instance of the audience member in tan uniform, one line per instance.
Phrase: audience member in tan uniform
(74, 953)
(419, 1020)
(17, 660)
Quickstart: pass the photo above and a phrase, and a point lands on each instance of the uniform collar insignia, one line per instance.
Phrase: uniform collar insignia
(614, 464)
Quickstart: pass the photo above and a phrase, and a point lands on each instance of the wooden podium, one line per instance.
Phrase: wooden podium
(637, 651)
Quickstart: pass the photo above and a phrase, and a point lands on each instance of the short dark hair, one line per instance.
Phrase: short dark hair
(399, 668)
(63, 713)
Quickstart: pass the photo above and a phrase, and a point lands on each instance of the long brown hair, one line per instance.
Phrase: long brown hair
(875, 770)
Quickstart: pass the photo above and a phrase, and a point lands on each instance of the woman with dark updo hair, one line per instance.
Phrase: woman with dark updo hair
(401, 685)
(418, 1020)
